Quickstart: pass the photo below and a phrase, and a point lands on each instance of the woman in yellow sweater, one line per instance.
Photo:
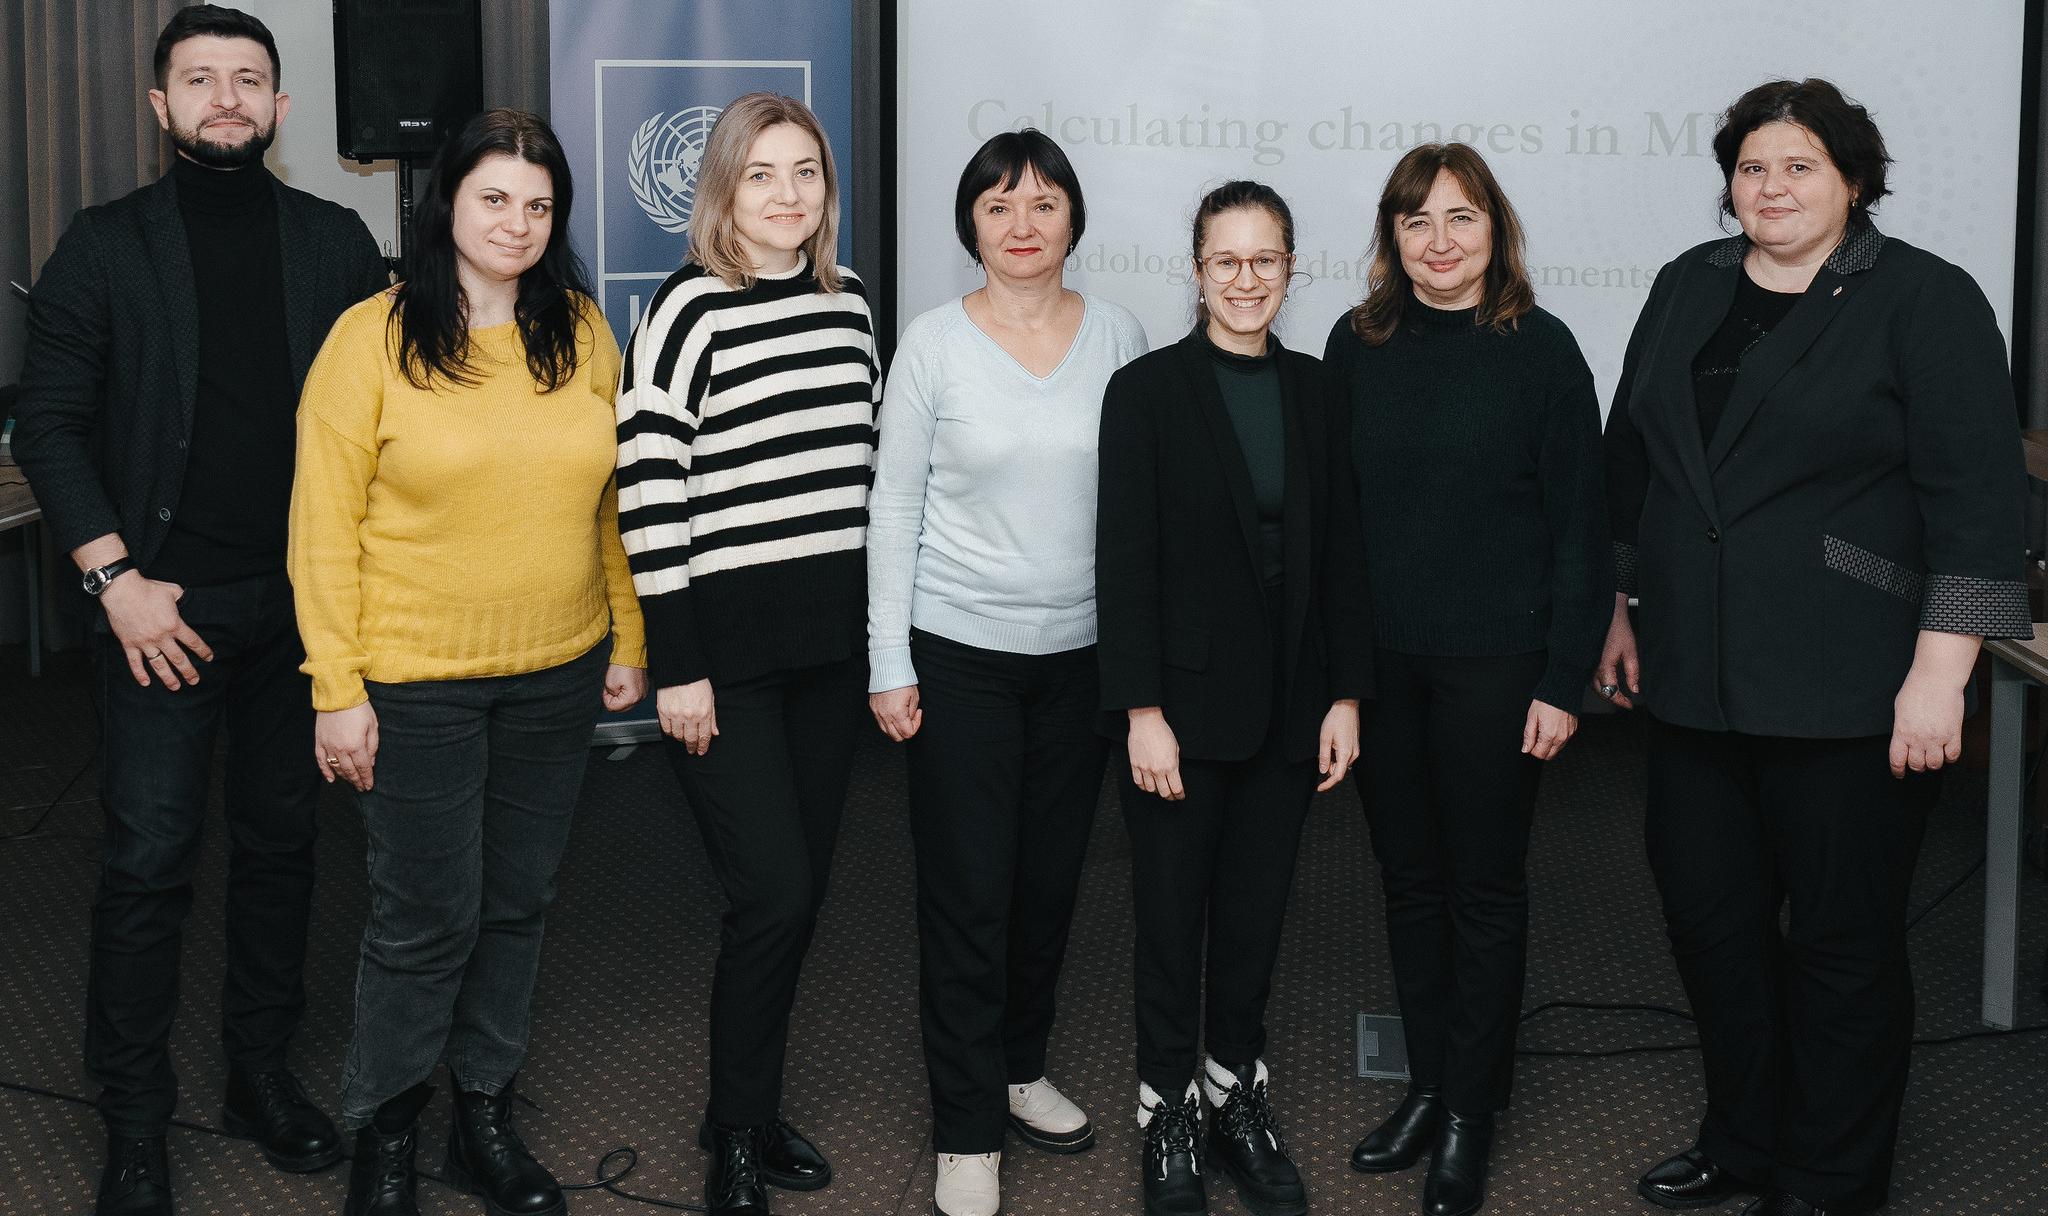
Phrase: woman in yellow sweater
(465, 604)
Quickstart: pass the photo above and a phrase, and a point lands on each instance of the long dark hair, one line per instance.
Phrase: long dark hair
(429, 315)
(1506, 295)
(1235, 196)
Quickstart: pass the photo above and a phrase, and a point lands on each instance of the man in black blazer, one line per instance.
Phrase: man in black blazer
(168, 337)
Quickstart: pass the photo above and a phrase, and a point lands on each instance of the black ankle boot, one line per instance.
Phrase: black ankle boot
(136, 1180)
(1456, 1185)
(1244, 1140)
(1405, 1136)
(381, 1177)
(271, 1108)
(1171, 1159)
(486, 1156)
(734, 1185)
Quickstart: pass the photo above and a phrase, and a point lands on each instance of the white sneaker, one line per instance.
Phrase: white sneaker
(1043, 1118)
(969, 1184)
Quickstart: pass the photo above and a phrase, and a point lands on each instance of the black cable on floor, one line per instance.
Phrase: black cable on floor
(603, 1182)
(32, 830)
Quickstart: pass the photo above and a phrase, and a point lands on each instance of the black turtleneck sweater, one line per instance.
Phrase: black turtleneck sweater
(1480, 492)
(1250, 385)
(230, 520)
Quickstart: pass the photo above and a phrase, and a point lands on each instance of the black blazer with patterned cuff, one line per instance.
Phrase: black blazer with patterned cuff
(1865, 483)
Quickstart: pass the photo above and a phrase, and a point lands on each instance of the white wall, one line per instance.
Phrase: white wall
(304, 154)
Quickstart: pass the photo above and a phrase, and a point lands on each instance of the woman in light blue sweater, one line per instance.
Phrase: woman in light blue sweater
(981, 614)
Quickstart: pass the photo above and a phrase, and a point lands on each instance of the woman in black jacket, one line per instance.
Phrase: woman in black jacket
(1476, 442)
(1230, 605)
(1814, 467)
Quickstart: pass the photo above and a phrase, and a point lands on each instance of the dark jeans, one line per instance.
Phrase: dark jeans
(1214, 868)
(1805, 1029)
(1004, 776)
(469, 812)
(767, 797)
(156, 757)
(1450, 797)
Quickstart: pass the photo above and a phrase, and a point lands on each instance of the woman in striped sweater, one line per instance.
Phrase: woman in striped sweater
(746, 445)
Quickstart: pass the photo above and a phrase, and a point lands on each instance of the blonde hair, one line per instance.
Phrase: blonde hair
(714, 238)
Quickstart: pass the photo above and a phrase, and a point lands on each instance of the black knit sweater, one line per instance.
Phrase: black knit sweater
(1480, 492)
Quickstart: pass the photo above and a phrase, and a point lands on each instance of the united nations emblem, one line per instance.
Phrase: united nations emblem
(661, 165)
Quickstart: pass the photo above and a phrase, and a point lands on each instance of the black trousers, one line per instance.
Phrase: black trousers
(1449, 797)
(767, 797)
(1005, 773)
(156, 758)
(1213, 869)
(476, 788)
(1805, 1028)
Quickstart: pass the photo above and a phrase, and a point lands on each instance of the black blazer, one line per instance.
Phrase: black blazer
(1178, 592)
(111, 370)
(1865, 483)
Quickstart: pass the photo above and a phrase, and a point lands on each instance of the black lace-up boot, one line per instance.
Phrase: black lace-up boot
(381, 1178)
(735, 1187)
(270, 1107)
(1172, 1155)
(486, 1156)
(137, 1178)
(1245, 1141)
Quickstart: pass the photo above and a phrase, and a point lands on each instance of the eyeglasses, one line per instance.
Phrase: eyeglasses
(1268, 265)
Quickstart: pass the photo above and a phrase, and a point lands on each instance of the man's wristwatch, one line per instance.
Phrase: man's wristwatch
(97, 578)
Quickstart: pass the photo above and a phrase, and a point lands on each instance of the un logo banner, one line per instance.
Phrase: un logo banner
(651, 119)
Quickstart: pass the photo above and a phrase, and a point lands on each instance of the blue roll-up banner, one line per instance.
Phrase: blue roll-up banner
(636, 85)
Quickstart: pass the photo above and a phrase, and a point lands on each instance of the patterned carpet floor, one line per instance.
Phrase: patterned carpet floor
(618, 1051)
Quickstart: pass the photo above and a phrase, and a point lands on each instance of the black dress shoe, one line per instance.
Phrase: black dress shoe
(271, 1108)
(136, 1180)
(1405, 1137)
(1171, 1161)
(1244, 1139)
(1690, 1180)
(381, 1173)
(486, 1157)
(1456, 1184)
(734, 1186)
(788, 1160)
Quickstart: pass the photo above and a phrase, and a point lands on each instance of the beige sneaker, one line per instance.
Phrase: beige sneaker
(1043, 1118)
(969, 1184)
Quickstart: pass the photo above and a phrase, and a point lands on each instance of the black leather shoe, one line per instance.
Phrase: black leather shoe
(1690, 1180)
(271, 1108)
(1456, 1185)
(381, 1175)
(1782, 1203)
(136, 1180)
(1406, 1135)
(788, 1160)
(1172, 1163)
(487, 1158)
(1245, 1141)
(734, 1186)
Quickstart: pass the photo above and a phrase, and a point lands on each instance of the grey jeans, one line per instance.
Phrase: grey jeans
(475, 784)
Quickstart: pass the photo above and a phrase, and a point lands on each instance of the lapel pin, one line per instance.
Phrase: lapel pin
(1837, 291)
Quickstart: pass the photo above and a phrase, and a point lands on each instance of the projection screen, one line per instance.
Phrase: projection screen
(1597, 115)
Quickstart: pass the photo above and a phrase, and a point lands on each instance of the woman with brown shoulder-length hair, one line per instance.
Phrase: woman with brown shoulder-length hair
(1476, 445)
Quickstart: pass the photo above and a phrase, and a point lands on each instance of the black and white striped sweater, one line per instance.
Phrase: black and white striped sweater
(746, 448)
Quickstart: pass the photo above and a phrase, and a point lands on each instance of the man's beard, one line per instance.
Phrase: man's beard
(223, 156)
